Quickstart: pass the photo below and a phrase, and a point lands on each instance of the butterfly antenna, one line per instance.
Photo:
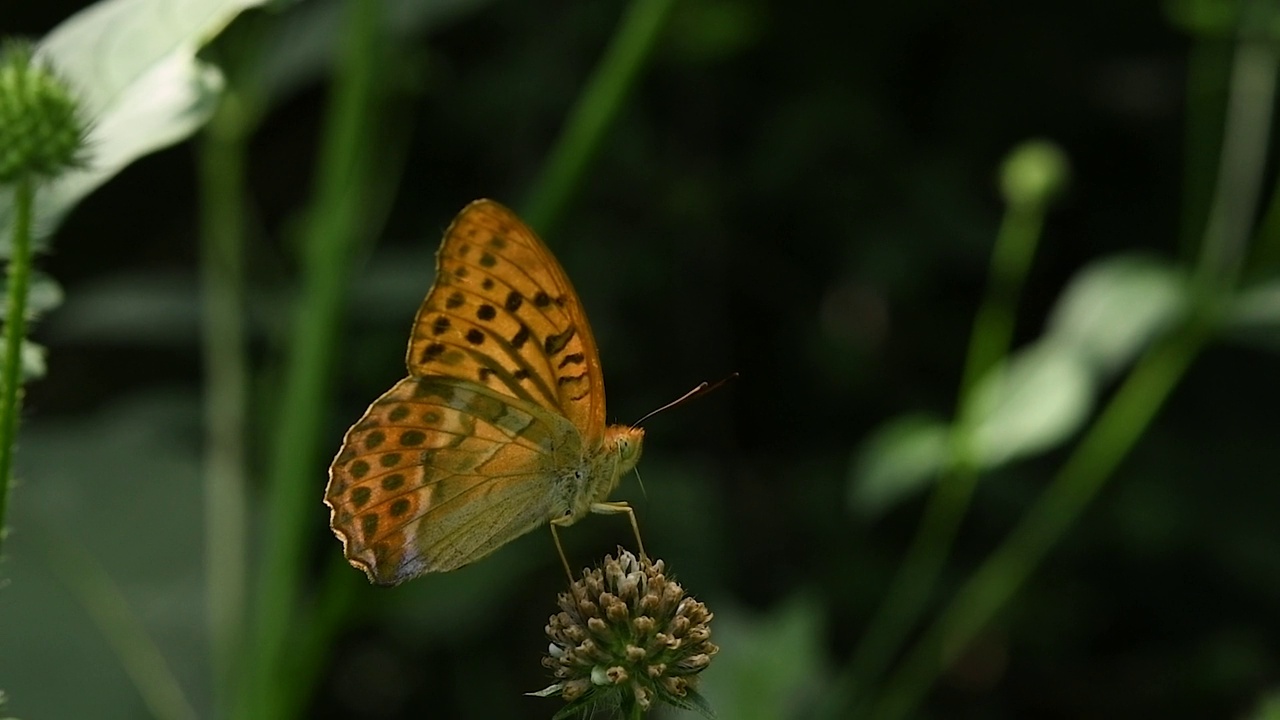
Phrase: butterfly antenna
(702, 389)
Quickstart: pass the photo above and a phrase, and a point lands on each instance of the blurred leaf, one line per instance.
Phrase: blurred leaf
(1031, 403)
(1112, 309)
(43, 294)
(1268, 708)
(902, 456)
(133, 64)
(1254, 315)
(147, 309)
(1041, 395)
(33, 360)
(770, 667)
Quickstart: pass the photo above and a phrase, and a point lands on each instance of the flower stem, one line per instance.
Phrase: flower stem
(336, 222)
(15, 330)
(1243, 161)
(909, 591)
(226, 372)
(595, 111)
(1107, 442)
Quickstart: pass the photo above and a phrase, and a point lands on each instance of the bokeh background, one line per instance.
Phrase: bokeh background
(803, 193)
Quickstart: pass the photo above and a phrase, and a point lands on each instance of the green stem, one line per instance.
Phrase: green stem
(1011, 258)
(1208, 70)
(335, 598)
(140, 657)
(295, 474)
(15, 330)
(1107, 442)
(1242, 163)
(221, 167)
(594, 113)
(992, 336)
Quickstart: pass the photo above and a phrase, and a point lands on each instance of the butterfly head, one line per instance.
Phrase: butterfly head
(626, 443)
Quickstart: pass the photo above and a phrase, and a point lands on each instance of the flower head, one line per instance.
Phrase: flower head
(41, 128)
(627, 634)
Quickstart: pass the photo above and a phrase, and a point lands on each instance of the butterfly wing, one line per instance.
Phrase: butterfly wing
(439, 473)
(503, 314)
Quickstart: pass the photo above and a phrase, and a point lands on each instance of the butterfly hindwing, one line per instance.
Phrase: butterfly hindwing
(422, 475)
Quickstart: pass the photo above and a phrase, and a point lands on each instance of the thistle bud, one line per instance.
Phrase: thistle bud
(649, 643)
(41, 129)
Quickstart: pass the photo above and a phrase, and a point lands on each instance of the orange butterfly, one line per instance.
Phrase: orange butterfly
(500, 425)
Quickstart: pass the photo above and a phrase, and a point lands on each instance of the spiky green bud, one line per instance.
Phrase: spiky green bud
(42, 132)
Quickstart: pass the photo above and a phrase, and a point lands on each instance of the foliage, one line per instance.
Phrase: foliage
(1001, 444)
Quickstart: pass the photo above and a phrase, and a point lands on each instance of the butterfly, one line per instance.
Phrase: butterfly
(500, 426)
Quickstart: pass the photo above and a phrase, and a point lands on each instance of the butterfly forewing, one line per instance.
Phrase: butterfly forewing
(421, 476)
(502, 313)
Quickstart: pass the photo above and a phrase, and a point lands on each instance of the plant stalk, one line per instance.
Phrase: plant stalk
(15, 324)
(296, 474)
(1105, 445)
(222, 220)
(909, 592)
(594, 112)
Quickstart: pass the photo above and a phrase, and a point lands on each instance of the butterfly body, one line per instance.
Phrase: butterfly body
(499, 427)
(591, 480)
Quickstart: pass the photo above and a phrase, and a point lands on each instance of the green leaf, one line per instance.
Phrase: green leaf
(902, 456)
(1031, 403)
(1041, 395)
(148, 309)
(33, 361)
(133, 64)
(692, 701)
(1113, 309)
(43, 294)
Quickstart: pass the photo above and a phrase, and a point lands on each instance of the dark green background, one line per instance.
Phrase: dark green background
(803, 193)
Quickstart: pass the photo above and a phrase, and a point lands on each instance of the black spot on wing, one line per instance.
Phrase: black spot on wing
(521, 337)
(555, 343)
(432, 351)
(514, 301)
(399, 507)
(360, 496)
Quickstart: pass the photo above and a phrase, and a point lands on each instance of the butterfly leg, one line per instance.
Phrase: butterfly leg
(555, 535)
(615, 508)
